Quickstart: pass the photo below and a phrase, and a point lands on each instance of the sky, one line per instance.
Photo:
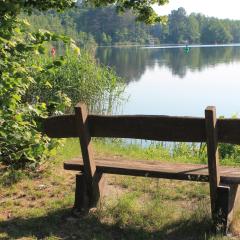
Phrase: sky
(212, 8)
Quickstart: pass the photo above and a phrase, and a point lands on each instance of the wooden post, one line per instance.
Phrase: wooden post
(234, 201)
(81, 197)
(82, 202)
(221, 214)
(223, 198)
(219, 195)
(227, 206)
(212, 151)
(91, 177)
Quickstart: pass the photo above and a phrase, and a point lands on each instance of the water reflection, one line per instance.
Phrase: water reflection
(132, 63)
(171, 82)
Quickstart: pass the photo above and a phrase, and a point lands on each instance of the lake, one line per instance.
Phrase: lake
(168, 81)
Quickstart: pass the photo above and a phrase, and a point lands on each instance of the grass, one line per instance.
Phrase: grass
(39, 207)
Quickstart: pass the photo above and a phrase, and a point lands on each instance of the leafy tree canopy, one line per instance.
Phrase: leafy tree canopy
(142, 8)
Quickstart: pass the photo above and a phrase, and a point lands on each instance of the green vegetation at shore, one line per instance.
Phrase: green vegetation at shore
(44, 85)
(36, 82)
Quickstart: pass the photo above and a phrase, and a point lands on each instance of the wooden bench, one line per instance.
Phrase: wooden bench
(223, 181)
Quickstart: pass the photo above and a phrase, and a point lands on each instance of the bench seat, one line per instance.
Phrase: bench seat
(156, 169)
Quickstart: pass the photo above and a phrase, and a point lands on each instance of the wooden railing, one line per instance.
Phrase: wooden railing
(160, 128)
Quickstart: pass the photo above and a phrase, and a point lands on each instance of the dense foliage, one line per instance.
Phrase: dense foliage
(66, 26)
(107, 27)
(21, 141)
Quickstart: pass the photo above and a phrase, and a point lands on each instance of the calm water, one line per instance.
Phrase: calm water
(170, 82)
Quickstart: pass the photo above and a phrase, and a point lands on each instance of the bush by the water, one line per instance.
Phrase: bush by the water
(34, 85)
(21, 142)
(79, 78)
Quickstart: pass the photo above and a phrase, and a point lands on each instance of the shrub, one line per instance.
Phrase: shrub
(35, 86)
(80, 78)
(21, 141)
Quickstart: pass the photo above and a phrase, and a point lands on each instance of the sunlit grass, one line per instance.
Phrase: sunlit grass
(132, 208)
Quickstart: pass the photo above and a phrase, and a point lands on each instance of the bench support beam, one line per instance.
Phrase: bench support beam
(212, 151)
(224, 199)
(219, 195)
(227, 204)
(81, 197)
(90, 181)
(84, 201)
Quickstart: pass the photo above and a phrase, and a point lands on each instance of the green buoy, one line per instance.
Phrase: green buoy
(187, 49)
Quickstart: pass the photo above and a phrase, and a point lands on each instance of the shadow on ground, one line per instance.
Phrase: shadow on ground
(60, 224)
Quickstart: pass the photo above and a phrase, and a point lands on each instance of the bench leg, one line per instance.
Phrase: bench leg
(96, 193)
(227, 204)
(88, 197)
(81, 197)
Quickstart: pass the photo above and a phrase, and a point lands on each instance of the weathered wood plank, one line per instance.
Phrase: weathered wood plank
(156, 169)
(60, 126)
(228, 131)
(212, 151)
(161, 128)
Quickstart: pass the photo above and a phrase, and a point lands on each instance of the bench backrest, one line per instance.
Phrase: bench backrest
(161, 128)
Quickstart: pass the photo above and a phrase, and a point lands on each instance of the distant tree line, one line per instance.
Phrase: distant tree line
(197, 28)
(105, 27)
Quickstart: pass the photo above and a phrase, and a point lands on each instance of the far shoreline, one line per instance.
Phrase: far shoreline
(166, 46)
